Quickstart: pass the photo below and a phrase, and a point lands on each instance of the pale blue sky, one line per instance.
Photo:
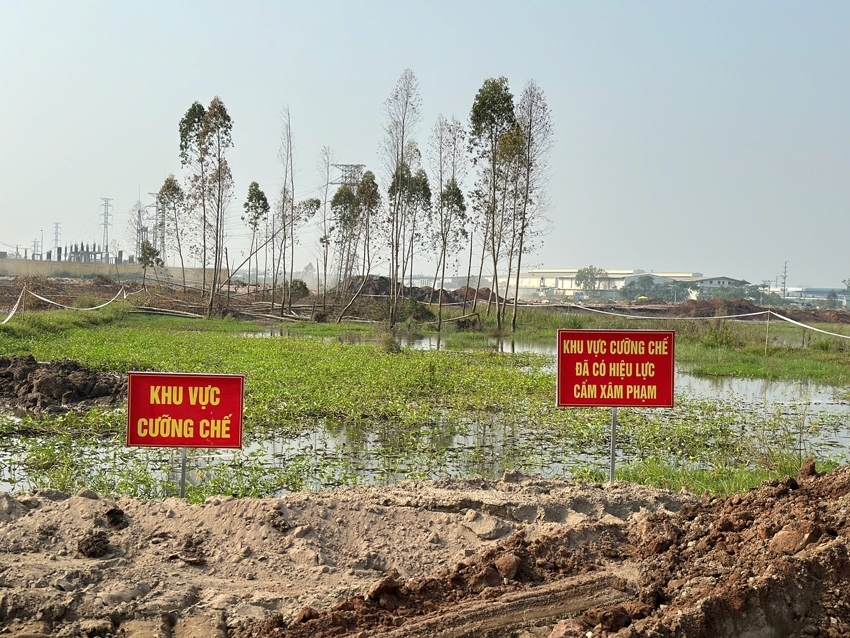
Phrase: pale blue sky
(706, 136)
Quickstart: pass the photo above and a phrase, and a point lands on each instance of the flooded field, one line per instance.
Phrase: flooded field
(717, 424)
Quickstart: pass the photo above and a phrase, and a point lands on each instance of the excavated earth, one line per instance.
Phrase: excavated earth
(521, 557)
(27, 386)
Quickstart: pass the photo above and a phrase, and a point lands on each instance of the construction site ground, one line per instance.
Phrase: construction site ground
(519, 557)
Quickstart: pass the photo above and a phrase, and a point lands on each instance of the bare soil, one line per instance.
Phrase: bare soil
(27, 386)
(520, 557)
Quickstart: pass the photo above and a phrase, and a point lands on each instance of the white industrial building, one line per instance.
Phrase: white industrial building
(540, 283)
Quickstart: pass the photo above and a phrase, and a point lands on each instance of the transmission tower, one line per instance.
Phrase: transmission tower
(784, 279)
(350, 175)
(55, 238)
(159, 226)
(106, 225)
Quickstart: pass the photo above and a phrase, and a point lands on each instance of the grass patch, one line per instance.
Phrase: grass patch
(718, 482)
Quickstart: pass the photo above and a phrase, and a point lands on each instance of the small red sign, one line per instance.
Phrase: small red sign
(616, 368)
(184, 410)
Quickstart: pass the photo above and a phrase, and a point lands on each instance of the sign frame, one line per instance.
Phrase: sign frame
(639, 335)
(203, 378)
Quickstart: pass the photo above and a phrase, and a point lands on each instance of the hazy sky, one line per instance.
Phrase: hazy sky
(699, 136)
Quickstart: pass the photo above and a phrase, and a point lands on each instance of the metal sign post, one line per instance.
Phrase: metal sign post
(613, 442)
(183, 473)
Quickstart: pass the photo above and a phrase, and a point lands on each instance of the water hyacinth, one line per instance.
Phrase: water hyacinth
(323, 411)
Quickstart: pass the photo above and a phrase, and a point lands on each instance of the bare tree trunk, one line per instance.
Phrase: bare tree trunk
(440, 294)
(468, 269)
(266, 265)
(481, 265)
(179, 251)
(516, 286)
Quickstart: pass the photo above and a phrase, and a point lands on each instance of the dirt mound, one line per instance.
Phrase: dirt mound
(69, 565)
(816, 316)
(713, 308)
(772, 562)
(380, 287)
(29, 386)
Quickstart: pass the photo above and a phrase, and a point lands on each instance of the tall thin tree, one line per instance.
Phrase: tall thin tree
(492, 115)
(403, 113)
(172, 200)
(324, 224)
(256, 208)
(194, 157)
(218, 133)
(535, 119)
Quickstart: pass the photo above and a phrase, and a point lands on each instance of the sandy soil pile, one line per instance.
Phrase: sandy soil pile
(101, 566)
(521, 557)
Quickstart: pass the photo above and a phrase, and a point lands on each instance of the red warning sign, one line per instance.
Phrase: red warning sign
(184, 410)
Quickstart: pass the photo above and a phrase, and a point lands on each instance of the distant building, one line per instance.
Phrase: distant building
(719, 282)
(561, 282)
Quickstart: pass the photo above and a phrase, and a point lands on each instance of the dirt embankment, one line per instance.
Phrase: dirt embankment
(521, 557)
(28, 386)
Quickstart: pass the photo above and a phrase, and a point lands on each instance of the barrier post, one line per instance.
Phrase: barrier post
(183, 473)
(767, 333)
(613, 442)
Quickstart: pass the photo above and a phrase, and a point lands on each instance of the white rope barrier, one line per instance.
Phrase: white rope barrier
(803, 325)
(749, 314)
(601, 312)
(15, 307)
(664, 318)
(71, 307)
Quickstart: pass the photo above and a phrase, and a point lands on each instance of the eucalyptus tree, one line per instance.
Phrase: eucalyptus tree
(345, 209)
(511, 155)
(172, 200)
(418, 212)
(403, 113)
(148, 258)
(492, 116)
(367, 203)
(285, 204)
(256, 210)
(448, 166)
(369, 198)
(324, 222)
(534, 119)
(194, 158)
(217, 132)
(302, 212)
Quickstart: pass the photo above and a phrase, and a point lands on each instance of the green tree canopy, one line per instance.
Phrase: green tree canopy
(588, 279)
(256, 207)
